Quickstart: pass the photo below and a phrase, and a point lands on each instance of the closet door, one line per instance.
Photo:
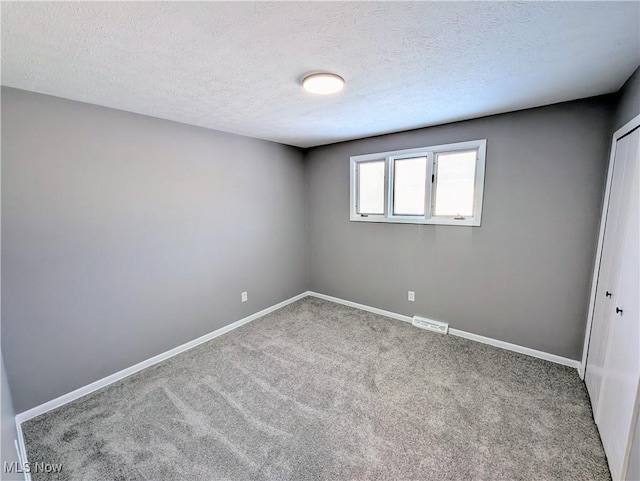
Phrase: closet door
(610, 263)
(618, 397)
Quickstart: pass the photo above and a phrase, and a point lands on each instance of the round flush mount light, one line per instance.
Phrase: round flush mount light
(323, 83)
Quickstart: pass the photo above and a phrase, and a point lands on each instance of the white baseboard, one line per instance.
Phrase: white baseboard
(565, 361)
(375, 310)
(23, 450)
(457, 332)
(99, 384)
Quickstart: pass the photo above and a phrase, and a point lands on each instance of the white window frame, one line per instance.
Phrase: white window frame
(480, 146)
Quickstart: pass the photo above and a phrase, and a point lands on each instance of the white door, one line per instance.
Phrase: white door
(617, 405)
(613, 363)
(610, 264)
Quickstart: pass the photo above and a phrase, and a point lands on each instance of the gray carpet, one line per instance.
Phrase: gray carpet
(320, 391)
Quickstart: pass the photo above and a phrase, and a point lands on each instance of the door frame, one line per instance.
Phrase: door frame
(618, 134)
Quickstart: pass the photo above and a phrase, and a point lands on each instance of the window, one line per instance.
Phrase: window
(371, 188)
(409, 187)
(442, 184)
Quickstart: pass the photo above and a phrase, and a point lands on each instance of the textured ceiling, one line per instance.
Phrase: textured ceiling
(237, 66)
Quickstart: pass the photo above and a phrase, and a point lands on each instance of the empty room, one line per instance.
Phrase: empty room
(267, 241)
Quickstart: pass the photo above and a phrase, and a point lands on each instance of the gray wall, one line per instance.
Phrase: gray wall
(629, 101)
(124, 236)
(9, 434)
(524, 276)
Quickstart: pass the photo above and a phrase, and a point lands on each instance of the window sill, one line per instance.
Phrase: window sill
(468, 222)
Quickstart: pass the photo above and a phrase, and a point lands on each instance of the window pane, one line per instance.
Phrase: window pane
(409, 177)
(455, 183)
(371, 187)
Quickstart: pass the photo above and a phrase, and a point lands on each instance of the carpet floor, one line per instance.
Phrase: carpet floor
(320, 391)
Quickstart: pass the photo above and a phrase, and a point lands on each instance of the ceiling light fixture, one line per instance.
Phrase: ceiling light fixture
(323, 83)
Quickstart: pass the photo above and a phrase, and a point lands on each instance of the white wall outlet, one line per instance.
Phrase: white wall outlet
(412, 296)
(244, 297)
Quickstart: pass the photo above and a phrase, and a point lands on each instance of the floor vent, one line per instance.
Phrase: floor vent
(431, 325)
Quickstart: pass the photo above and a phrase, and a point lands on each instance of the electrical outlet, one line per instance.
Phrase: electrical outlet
(244, 297)
(412, 296)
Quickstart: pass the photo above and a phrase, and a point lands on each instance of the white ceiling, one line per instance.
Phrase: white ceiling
(237, 66)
